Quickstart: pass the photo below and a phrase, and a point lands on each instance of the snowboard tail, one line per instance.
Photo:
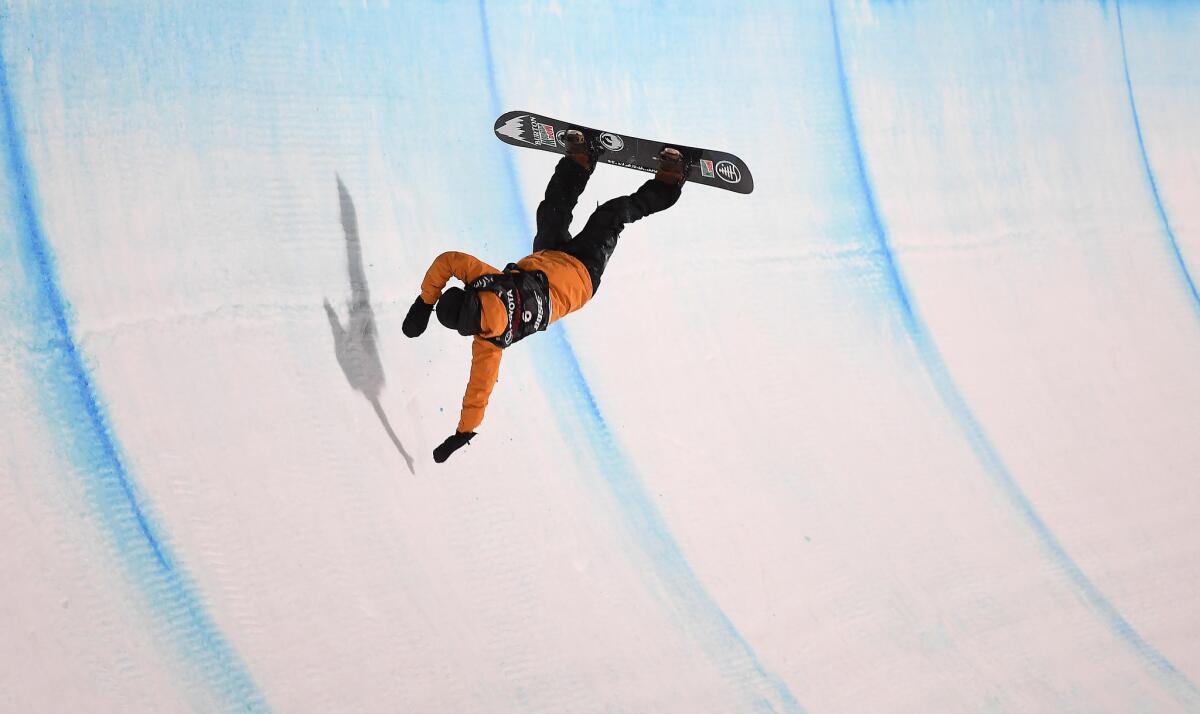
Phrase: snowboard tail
(719, 169)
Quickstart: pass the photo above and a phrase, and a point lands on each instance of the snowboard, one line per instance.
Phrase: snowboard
(707, 167)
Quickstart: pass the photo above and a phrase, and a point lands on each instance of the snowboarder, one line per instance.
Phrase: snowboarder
(499, 308)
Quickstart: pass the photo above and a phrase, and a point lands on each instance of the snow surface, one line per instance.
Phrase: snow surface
(911, 428)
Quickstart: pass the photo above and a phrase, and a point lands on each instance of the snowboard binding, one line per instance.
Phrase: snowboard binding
(583, 149)
(577, 147)
(671, 166)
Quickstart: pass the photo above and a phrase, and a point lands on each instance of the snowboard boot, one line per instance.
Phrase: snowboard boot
(670, 167)
(577, 148)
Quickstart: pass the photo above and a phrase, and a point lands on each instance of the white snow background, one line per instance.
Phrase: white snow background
(914, 427)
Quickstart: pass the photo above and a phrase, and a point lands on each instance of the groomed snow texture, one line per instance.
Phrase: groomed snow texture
(913, 427)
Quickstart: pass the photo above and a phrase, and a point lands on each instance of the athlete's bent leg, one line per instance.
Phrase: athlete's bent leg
(596, 242)
(554, 212)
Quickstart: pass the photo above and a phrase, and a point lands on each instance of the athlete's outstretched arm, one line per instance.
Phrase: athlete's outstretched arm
(485, 368)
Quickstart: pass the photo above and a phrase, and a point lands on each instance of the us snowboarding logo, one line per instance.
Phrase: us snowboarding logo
(612, 142)
(728, 172)
(520, 128)
(706, 168)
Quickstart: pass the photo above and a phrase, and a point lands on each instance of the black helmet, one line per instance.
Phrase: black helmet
(459, 311)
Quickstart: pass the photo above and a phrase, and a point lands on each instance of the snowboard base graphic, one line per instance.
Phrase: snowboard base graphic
(707, 167)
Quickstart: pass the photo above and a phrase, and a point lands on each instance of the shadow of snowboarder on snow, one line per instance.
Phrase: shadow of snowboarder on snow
(354, 344)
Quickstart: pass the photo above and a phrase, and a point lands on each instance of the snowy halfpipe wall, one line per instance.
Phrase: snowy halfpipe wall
(913, 427)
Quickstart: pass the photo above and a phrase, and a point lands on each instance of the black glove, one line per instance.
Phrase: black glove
(452, 444)
(417, 318)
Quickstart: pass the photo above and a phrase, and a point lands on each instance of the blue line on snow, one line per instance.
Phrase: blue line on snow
(108, 483)
(1158, 205)
(732, 653)
(952, 397)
